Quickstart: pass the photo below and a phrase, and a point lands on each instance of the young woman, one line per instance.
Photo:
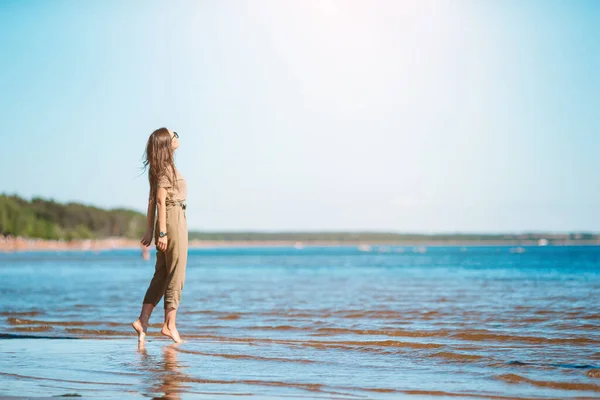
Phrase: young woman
(168, 192)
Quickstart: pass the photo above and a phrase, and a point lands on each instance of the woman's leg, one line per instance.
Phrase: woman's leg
(153, 295)
(141, 324)
(176, 261)
(170, 328)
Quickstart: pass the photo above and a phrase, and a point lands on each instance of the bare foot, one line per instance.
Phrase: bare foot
(141, 332)
(172, 333)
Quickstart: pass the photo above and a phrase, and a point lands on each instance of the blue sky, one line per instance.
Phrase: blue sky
(420, 116)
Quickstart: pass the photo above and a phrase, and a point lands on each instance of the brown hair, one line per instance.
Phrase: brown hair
(159, 156)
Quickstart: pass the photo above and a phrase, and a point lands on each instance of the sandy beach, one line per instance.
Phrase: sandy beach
(19, 244)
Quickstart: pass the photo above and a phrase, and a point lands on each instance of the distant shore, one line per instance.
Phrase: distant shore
(21, 244)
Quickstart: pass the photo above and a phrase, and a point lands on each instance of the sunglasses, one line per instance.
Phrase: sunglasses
(175, 136)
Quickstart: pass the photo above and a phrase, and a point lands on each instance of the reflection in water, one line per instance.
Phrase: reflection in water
(165, 376)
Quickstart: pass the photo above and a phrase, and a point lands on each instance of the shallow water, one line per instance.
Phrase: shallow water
(337, 322)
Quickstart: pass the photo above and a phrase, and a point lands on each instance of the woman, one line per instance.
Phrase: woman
(168, 193)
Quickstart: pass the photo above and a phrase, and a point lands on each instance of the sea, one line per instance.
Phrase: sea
(336, 322)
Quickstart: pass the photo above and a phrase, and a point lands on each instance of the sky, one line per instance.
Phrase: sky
(404, 116)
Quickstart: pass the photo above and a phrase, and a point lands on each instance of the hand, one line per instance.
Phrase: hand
(162, 243)
(147, 239)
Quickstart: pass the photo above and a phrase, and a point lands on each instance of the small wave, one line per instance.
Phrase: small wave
(475, 395)
(513, 378)
(328, 313)
(21, 321)
(530, 320)
(20, 313)
(550, 366)
(375, 343)
(15, 336)
(348, 331)
(468, 335)
(42, 328)
(38, 378)
(381, 332)
(83, 306)
(575, 327)
(431, 315)
(591, 316)
(487, 335)
(366, 345)
(246, 357)
(97, 332)
(457, 357)
(593, 373)
(312, 387)
(278, 328)
(230, 317)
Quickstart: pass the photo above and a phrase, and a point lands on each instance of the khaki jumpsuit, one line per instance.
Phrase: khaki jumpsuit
(169, 272)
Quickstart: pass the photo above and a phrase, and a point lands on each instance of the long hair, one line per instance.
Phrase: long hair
(159, 158)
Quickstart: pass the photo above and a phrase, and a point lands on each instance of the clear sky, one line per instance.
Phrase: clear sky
(419, 116)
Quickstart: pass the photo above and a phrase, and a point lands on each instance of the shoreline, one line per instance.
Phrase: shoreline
(19, 244)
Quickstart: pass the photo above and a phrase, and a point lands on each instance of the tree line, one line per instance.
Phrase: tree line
(47, 219)
(389, 237)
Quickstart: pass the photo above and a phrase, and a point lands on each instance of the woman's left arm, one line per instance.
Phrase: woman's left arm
(150, 215)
